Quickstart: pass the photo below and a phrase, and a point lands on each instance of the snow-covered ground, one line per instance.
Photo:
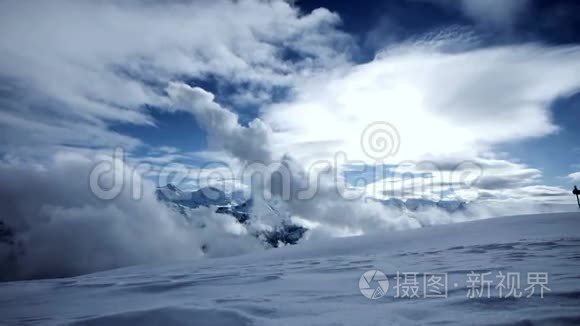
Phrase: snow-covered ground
(317, 283)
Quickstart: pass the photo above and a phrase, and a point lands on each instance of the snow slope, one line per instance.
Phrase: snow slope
(317, 283)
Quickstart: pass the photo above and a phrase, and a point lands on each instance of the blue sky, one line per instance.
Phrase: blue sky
(486, 82)
(557, 154)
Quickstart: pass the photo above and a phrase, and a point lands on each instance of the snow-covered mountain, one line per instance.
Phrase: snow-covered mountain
(415, 205)
(282, 232)
(239, 196)
(208, 196)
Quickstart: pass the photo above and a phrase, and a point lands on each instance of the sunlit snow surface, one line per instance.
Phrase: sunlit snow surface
(317, 283)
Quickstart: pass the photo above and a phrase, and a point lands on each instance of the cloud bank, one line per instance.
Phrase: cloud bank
(62, 228)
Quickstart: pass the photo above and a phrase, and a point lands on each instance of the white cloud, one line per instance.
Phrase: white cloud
(441, 103)
(477, 179)
(251, 143)
(88, 64)
(574, 176)
(62, 228)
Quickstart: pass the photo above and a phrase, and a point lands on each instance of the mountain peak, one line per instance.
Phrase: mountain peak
(206, 196)
(418, 204)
